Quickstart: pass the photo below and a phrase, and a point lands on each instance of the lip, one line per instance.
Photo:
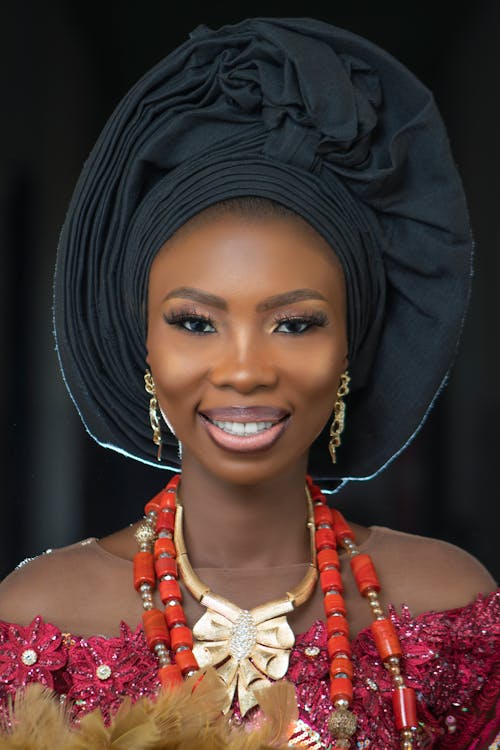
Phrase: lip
(244, 443)
(245, 414)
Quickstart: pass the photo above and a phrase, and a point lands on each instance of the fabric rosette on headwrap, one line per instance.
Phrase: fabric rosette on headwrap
(319, 120)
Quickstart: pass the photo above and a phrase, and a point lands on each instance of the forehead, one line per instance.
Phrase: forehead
(261, 253)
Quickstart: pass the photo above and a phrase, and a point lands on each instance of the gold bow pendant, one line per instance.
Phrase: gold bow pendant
(247, 648)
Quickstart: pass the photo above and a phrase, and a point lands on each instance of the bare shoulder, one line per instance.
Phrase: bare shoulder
(428, 574)
(65, 586)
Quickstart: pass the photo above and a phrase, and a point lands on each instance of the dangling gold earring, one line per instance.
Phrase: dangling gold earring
(338, 416)
(149, 385)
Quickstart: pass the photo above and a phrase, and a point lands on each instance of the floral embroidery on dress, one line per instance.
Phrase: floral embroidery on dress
(30, 654)
(452, 659)
(103, 670)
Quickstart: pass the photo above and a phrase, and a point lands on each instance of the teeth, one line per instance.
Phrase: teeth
(243, 428)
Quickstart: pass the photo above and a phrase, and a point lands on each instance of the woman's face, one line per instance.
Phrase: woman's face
(246, 342)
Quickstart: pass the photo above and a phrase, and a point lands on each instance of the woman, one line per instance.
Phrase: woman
(270, 228)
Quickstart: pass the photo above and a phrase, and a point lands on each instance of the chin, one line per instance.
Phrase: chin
(252, 471)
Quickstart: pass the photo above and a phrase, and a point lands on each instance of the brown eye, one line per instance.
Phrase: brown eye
(198, 324)
(297, 324)
(293, 325)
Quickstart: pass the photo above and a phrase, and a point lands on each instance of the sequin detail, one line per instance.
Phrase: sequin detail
(495, 745)
(29, 654)
(452, 659)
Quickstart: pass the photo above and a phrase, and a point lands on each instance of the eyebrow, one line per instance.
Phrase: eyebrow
(197, 295)
(277, 300)
(287, 298)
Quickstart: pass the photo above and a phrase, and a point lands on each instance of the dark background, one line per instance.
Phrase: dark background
(64, 67)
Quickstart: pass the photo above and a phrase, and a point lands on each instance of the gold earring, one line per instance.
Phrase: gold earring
(154, 421)
(338, 416)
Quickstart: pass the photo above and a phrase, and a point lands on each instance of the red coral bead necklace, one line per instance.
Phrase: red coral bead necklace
(171, 640)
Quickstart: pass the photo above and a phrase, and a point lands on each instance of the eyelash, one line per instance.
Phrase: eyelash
(310, 320)
(179, 318)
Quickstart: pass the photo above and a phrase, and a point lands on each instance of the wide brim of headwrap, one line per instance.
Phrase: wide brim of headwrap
(323, 122)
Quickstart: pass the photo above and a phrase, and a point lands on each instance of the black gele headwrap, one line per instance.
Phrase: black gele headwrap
(315, 118)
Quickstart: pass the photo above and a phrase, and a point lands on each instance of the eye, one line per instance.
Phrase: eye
(297, 324)
(192, 323)
(293, 325)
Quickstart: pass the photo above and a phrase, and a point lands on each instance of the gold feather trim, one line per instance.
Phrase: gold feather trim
(279, 704)
(186, 718)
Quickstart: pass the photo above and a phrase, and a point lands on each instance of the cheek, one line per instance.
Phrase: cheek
(315, 384)
(178, 369)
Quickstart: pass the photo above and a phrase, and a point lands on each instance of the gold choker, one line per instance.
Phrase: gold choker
(248, 648)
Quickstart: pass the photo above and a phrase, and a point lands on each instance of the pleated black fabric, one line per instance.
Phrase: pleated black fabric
(313, 117)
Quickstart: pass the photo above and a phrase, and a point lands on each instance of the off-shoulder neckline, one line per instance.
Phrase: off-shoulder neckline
(404, 615)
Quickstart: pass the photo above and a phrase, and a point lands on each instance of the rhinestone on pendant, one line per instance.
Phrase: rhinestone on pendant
(243, 636)
(29, 657)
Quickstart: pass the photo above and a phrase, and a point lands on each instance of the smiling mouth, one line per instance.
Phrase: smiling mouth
(251, 435)
(243, 429)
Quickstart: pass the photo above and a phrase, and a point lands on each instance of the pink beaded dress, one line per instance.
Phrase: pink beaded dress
(452, 659)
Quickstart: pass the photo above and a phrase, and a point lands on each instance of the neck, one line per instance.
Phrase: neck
(241, 526)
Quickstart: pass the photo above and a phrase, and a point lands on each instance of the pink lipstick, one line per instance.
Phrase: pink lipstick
(245, 428)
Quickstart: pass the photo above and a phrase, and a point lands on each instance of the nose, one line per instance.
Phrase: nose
(245, 364)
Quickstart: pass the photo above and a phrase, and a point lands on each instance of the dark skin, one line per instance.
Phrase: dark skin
(255, 342)
(251, 346)
(245, 511)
